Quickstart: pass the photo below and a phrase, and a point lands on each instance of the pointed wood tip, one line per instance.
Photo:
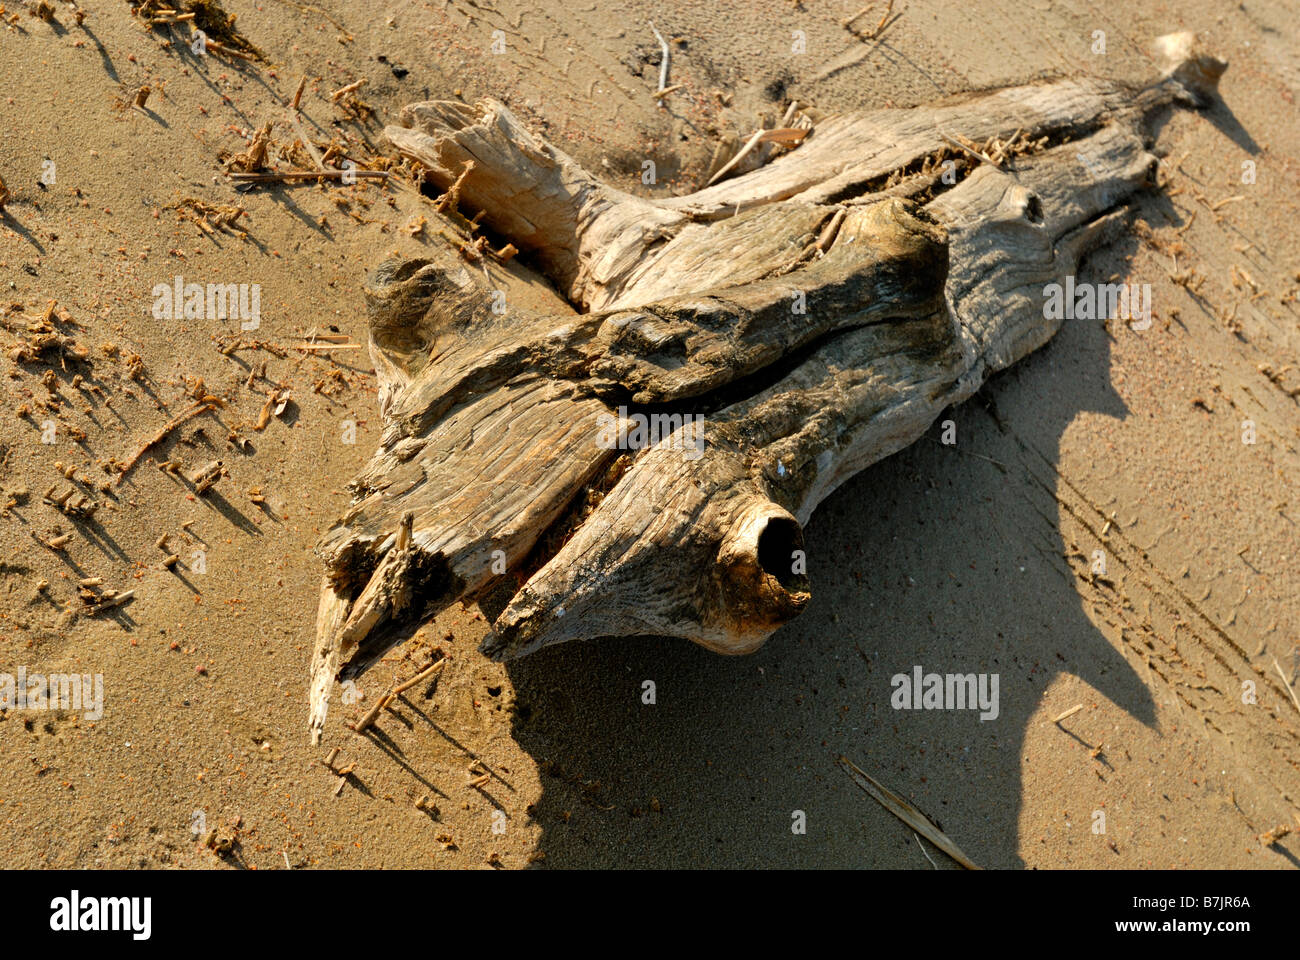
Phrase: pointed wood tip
(755, 584)
(1190, 64)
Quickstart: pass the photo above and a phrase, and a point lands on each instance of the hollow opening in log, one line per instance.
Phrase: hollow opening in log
(776, 546)
(420, 593)
(471, 221)
(429, 577)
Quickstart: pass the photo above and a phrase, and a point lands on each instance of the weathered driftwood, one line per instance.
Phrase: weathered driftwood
(793, 326)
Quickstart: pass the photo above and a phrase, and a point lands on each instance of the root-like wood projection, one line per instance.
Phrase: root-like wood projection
(781, 331)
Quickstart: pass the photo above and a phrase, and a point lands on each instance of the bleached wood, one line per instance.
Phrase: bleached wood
(910, 291)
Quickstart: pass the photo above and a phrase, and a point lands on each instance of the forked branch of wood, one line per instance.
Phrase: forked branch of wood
(647, 460)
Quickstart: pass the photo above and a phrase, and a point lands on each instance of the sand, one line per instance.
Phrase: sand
(973, 558)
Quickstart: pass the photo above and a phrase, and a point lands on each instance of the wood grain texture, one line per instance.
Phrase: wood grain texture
(795, 325)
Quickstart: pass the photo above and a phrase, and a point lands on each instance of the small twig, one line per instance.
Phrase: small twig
(974, 153)
(832, 228)
(221, 48)
(372, 713)
(309, 175)
(884, 20)
(663, 66)
(342, 92)
(213, 45)
(423, 675)
(1068, 713)
(204, 405)
(205, 476)
(114, 601)
(849, 22)
(328, 337)
(744, 151)
(451, 199)
(386, 699)
(1270, 837)
(887, 19)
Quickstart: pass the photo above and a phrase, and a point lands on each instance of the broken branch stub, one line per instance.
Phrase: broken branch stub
(645, 464)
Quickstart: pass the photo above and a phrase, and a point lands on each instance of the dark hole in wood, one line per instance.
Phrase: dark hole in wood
(776, 546)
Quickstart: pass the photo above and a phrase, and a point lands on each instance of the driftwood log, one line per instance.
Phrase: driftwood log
(774, 334)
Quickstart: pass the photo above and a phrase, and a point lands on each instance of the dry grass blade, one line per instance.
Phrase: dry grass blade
(911, 816)
(1285, 683)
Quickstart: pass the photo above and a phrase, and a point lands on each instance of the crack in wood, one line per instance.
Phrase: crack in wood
(800, 376)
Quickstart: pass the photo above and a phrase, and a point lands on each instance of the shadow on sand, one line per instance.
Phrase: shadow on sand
(935, 558)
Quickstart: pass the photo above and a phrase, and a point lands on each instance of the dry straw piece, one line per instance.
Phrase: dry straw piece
(372, 713)
(911, 816)
(1285, 683)
(425, 674)
(1068, 713)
